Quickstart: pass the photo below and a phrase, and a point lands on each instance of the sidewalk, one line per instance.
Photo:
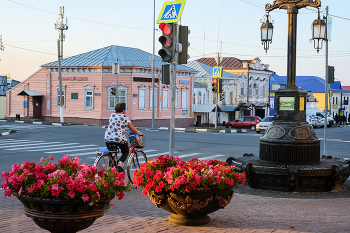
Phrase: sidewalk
(269, 212)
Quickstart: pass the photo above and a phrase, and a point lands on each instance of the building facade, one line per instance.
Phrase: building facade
(90, 90)
(253, 89)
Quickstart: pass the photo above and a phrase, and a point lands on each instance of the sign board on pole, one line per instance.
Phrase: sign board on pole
(217, 71)
(171, 11)
(329, 27)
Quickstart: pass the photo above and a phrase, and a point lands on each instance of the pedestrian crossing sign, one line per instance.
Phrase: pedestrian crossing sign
(171, 11)
(217, 71)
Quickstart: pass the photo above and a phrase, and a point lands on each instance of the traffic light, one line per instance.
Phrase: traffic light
(168, 42)
(165, 74)
(214, 85)
(330, 74)
(113, 91)
(183, 40)
(222, 96)
(220, 86)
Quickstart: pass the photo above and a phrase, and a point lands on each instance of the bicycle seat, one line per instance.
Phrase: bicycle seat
(112, 146)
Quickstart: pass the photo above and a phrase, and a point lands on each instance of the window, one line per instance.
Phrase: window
(58, 97)
(263, 91)
(165, 98)
(199, 97)
(155, 98)
(204, 98)
(88, 99)
(242, 89)
(250, 89)
(184, 99)
(142, 99)
(194, 98)
(231, 97)
(116, 97)
(177, 99)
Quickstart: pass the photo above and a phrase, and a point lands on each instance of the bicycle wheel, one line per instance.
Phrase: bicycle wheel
(105, 161)
(135, 161)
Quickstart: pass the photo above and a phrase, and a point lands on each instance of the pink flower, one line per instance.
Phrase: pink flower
(50, 157)
(76, 160)
(42, 159)
(20, 191)
(91, 203)
(98, 194)
(7, 192)
(104, 183)
(120, 196)
(30, 190)
(85, 197)
(71, 194)
(110, 202)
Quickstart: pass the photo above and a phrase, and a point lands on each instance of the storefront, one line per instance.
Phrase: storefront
(90, 90)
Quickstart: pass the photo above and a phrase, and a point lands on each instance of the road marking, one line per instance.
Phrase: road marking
(212, 157)
(11, 141)
(61, 146)
(36, 145)
(188, 155)
(19, 145)
(66, 151)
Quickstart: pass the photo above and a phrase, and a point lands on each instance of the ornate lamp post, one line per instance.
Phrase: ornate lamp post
(318, 30)
(289, 156)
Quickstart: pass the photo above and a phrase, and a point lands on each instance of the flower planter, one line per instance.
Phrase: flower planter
(60, 215)
(192, 209)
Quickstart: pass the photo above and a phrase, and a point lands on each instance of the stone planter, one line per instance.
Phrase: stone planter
(192, 209)
(60, 215)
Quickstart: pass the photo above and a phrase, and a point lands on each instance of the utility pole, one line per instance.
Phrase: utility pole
(1, 46)
(173, 97)
(326, 90)
(217, 97)
(154, 31)
(60, 26)
(115, 70)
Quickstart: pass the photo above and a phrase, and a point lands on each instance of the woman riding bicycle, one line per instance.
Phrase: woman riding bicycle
(115, 132)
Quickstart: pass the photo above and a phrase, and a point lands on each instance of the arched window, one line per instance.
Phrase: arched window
(199, 97)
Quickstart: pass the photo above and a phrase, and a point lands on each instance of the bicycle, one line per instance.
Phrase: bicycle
(136, 157)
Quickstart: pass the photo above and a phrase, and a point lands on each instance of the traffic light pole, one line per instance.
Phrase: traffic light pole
(216, 104)
(173, 97)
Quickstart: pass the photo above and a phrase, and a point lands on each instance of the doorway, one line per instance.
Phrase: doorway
(37, 107)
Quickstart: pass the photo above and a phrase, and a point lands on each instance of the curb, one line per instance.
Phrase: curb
(233, 131)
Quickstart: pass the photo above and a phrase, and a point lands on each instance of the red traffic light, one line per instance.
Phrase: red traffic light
(166, 28)
(214, 80)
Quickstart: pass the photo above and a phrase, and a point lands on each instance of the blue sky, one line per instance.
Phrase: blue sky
(230, 26)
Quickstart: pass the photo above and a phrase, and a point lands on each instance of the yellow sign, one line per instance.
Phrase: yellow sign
(217, 71)
(171, 11)
(335, 105)
(275, 87)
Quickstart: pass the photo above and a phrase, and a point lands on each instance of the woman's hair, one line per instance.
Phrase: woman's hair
(120, 107)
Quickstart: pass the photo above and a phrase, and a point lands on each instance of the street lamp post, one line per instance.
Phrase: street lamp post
(289, 156)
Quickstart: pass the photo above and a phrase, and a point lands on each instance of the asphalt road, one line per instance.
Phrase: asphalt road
(31, 142)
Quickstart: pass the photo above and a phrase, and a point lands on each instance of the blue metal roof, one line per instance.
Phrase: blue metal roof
(206, 70)
(107, 56)
(308, 83)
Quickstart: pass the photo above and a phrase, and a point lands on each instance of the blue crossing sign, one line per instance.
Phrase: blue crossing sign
(171, 11)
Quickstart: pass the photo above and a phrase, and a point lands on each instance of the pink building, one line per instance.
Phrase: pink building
(88, 88)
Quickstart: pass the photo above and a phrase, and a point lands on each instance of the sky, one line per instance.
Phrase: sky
(228, 27)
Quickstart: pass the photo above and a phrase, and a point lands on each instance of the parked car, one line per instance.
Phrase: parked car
(262, 126)
(244, 122)
(321, 120)
(313, 121)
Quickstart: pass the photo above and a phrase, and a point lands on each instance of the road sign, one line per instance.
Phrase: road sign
(217, 71)
(171, 11)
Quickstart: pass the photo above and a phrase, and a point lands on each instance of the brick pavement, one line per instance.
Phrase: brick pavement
(246, 213)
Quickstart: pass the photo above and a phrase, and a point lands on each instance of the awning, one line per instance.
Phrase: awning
(247, 104)
(226, 108)
(206, 108)
(261, 104)
(30, 93)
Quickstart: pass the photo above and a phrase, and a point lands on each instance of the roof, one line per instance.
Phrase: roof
(308, 83)
(226, 108)
(247, 104)
(206, 70)
(30, 93)
(227, 62)
(3, 85)
(107, 56)
(206, 108)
